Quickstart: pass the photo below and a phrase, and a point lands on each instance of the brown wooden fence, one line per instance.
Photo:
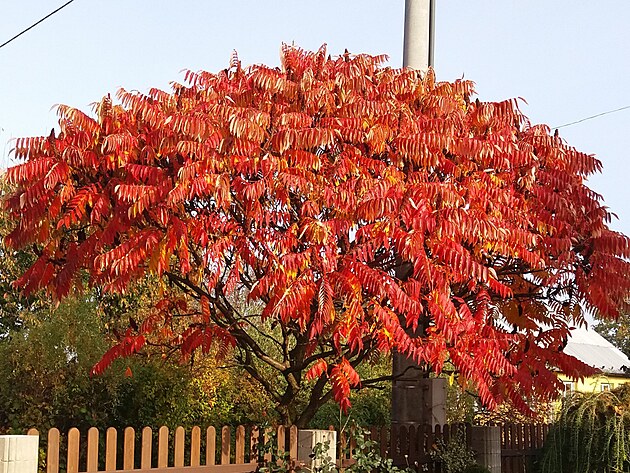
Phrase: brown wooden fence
(242, 449)
(519, 446)
(414, 446)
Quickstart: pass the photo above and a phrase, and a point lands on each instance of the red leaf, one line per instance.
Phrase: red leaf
(317, 370)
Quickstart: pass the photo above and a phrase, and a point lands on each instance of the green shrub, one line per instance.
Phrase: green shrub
(454, 456)
(370, 407)
(592, 434)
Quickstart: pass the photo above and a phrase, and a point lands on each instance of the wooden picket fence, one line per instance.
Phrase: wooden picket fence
(242, 449)
(520, 443)
(413, 446)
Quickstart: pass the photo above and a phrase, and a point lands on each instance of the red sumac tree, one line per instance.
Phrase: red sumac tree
(360, 208)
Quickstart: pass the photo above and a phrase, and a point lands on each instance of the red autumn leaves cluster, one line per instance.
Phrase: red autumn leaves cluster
(363, 208)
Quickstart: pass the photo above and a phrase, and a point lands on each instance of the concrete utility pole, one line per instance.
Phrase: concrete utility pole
(419, 34)
(416, 399)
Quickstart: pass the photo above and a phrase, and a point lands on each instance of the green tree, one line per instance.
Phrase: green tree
(13, 303)
(616, 332)
(45, 372)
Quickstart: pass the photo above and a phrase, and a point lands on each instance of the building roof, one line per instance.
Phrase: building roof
(591, 348)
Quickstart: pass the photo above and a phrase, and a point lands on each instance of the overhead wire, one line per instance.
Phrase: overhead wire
(592, 116)
(70, 1)
(37, 23)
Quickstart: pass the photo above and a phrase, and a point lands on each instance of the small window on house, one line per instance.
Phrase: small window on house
(605, 387)
(568, 387)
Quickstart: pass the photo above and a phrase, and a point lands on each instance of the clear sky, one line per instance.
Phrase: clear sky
(568, 59)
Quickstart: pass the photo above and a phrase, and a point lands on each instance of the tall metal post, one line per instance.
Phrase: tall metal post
(419, 34)
(417, 399)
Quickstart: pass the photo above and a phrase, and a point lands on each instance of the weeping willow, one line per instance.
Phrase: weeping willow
(592, 434)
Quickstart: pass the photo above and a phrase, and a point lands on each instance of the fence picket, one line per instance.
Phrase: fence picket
(111, 446)
(425, 442)
(384, 442)
(341, 450)
(353, 442)
(254, 438)
(403, 444)
(438, 436)
(514, 445)
(211, 446)
(469, 434)
(446, 434)
(225, 445)
(73, 450)
(52, 451)
(293, 444)
(374, 434)
(239, 443)
(267, 438)
(180, 438)
(281, 440)
(147, 447)
(163, 447)
(195, 446)
(129, 447)
(412, 451)
(505, 445)
(393, 442)
(507, 442)
(520, 432)
(92, 450)
(527, 445)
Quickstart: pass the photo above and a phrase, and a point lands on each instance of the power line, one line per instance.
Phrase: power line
(592, 116)
(35, 24)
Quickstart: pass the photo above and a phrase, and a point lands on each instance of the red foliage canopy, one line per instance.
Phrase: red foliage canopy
(366, 208)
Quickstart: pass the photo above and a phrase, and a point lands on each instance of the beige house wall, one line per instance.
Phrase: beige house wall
(599, 383)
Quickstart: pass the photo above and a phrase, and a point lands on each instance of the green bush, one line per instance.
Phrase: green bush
(592, 434)
(366, 459)
(454, 456)
(45, 379)
(370, 407)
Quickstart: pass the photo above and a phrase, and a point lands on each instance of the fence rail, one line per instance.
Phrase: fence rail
(242, 449)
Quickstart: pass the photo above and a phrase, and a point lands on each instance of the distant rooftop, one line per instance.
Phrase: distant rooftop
(594, 350)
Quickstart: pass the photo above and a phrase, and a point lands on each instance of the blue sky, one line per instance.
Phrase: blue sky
(567, 59)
